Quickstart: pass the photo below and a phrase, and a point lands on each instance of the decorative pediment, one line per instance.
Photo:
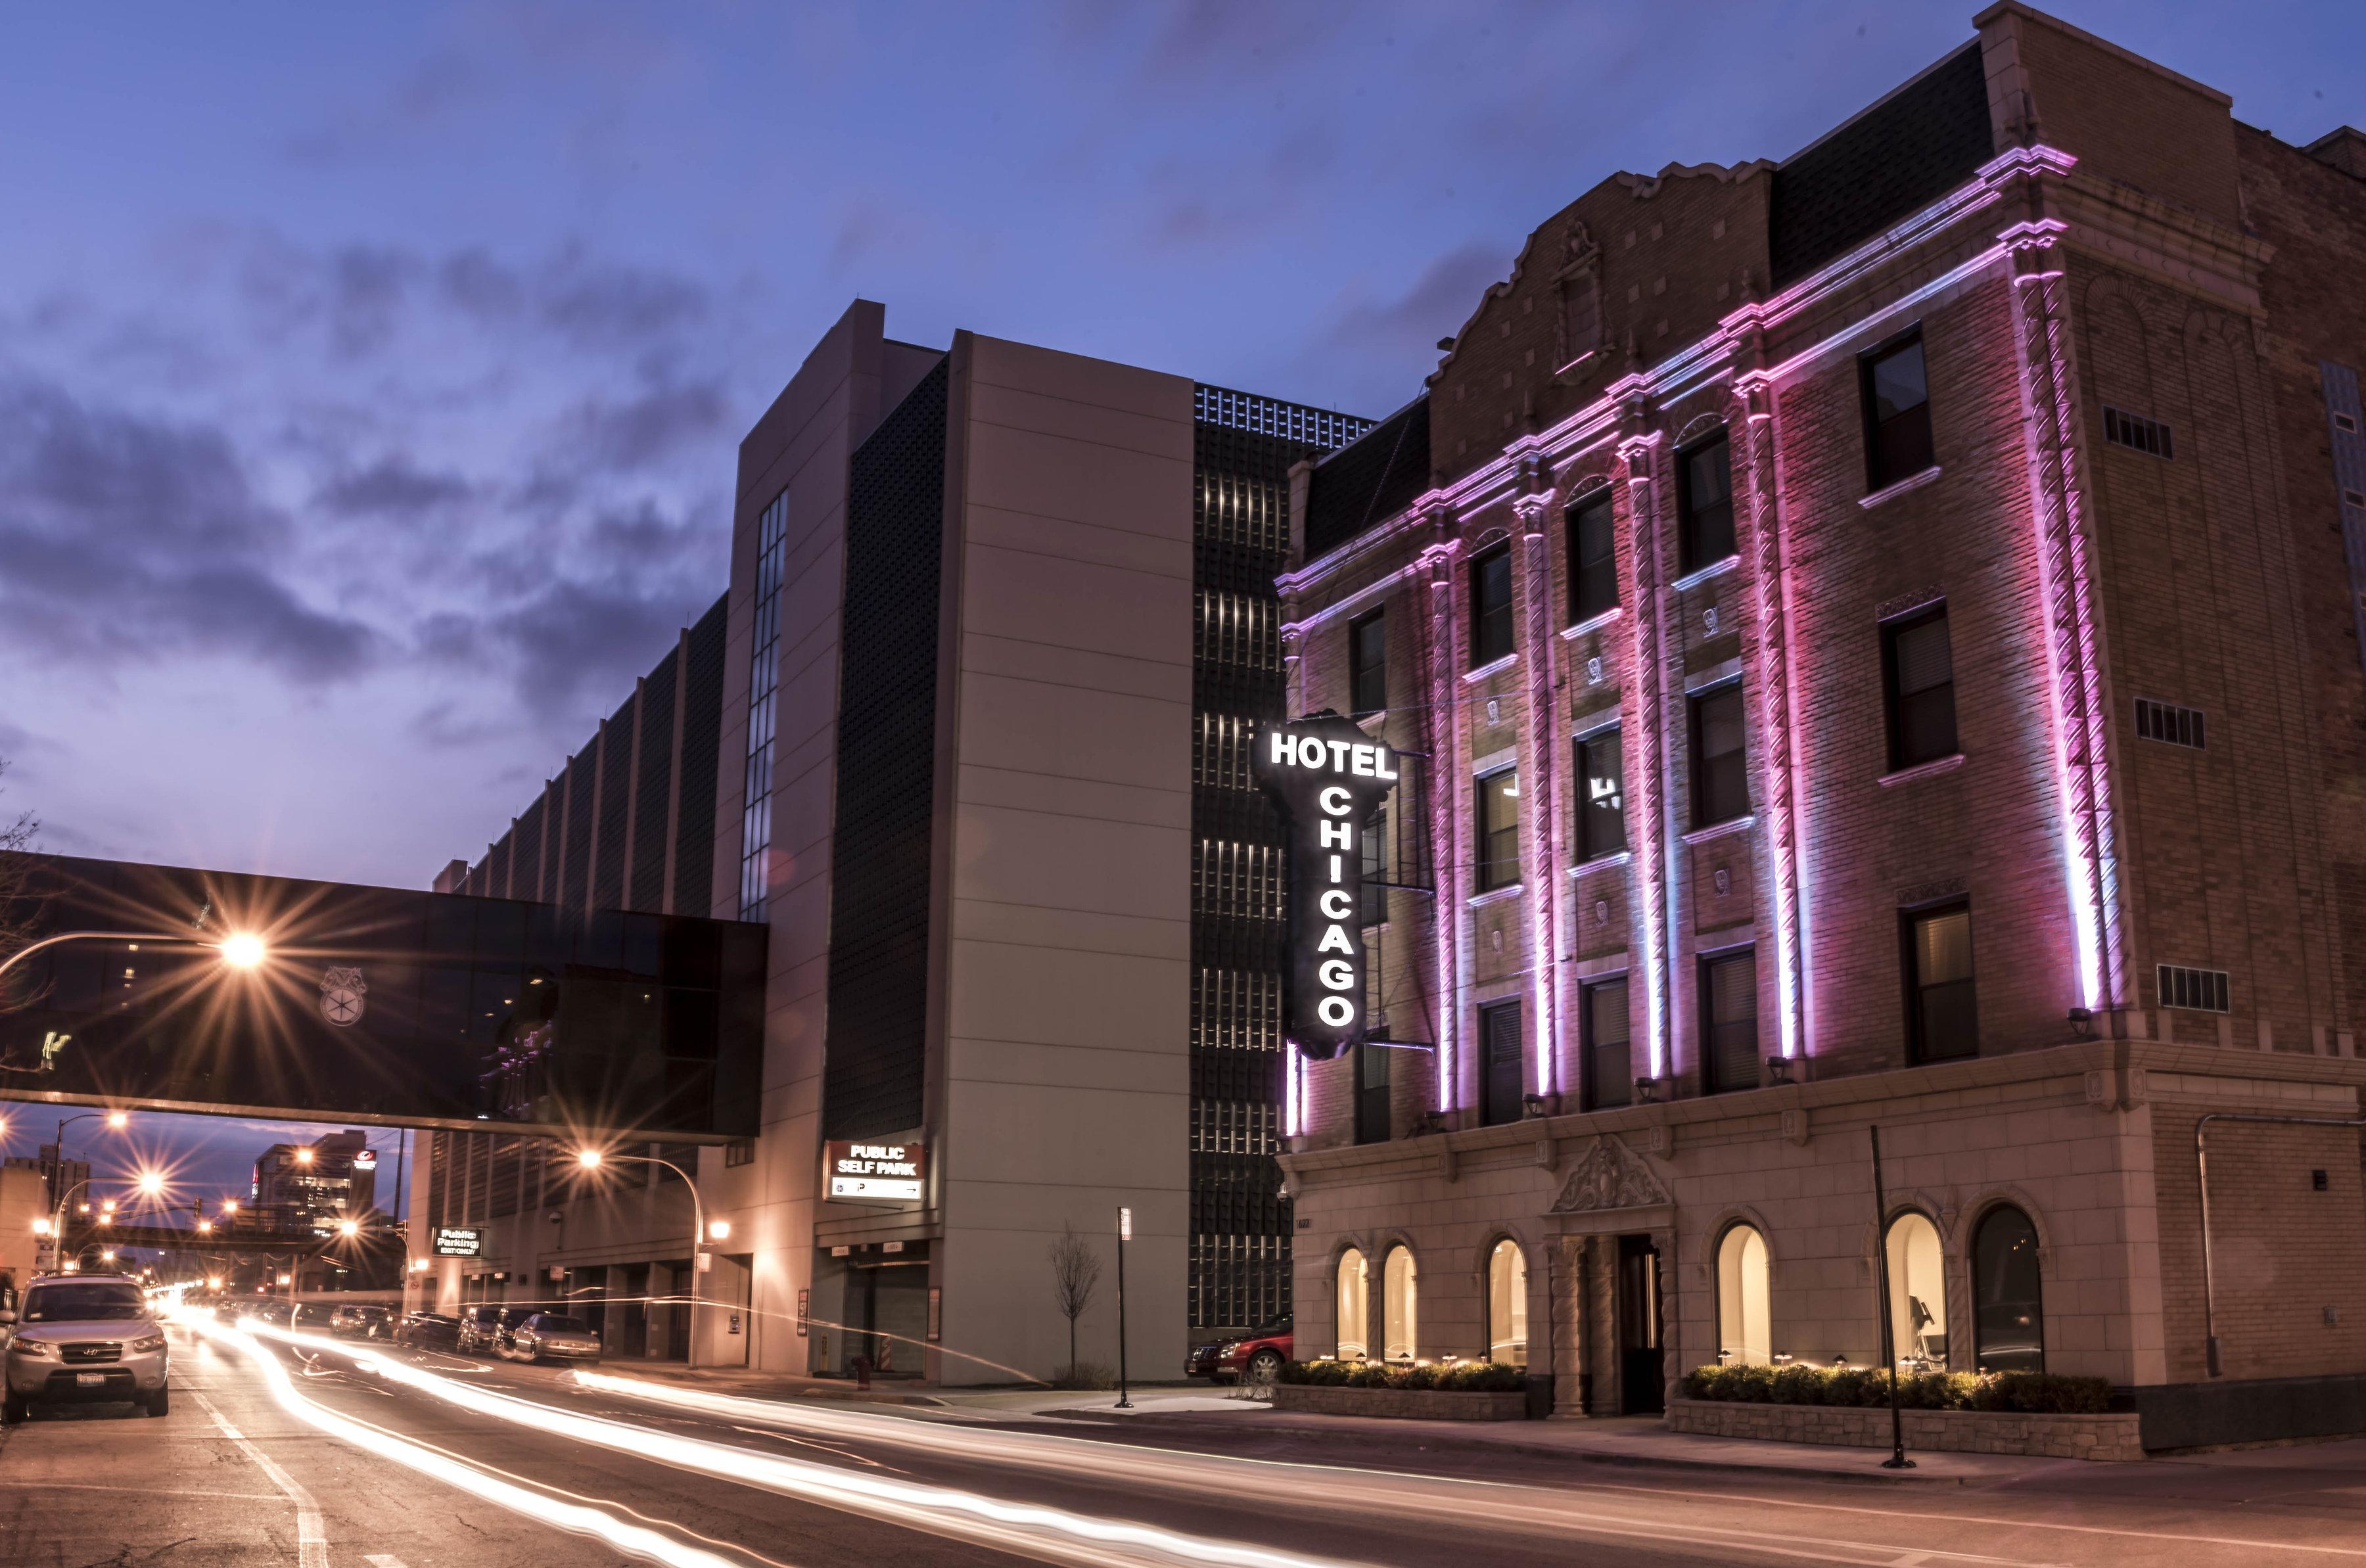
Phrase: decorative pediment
(1609, 1175)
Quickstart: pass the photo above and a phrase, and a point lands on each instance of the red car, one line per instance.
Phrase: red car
(1255, 1357)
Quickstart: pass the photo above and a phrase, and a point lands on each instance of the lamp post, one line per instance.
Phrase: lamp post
(1124, 1235)
(592, 1159)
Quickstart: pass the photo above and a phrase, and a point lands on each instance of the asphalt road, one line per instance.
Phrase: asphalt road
(297, 1456)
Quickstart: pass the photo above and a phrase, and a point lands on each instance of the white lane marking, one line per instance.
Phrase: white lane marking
(632, 1541)
(383, 1560)
(312, 1540)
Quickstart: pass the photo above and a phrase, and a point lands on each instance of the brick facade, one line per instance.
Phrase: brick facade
(2116, 241)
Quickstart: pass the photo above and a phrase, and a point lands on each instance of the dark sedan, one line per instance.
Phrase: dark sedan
(433, 1329)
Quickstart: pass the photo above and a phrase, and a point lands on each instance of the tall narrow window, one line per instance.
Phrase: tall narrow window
(1745, 1334)
(1502, 1085)
(1373, 1069)
(1942, 1020)
(1507, 1303)
(1401, 1288)
(1729, 1003)
(1592, 556)
(1601, 796)
(1720, 776)
(1355, 1316)
(1896, 412)
(763, 680)
(2008, 1298)
(1609, 1056)
(1367, 663)
(1490, 606)
(1499, 830)
(1375, 856)
(1705, 502)
(1919, 673)
(1918, 1291)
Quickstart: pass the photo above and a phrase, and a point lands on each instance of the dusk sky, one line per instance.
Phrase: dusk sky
(371, 378)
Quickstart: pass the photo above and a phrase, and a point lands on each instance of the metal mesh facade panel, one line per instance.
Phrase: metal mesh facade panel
(1244, 447)
(651, 811)
(875, 1061)
(526, 876)
(702, 742)
(496, 869)
(616, 810)
(575, 858)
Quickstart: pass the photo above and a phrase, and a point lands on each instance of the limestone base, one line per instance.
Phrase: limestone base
(2107, 1437)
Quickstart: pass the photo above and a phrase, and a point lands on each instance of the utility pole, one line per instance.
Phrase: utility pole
(1124, 1233)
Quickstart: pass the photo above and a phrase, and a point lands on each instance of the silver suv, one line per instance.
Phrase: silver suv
(86, 1338)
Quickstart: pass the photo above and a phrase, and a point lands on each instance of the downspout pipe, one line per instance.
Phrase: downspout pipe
(2202, 1178)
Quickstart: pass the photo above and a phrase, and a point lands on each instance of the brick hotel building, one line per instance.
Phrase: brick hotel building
(1885, 625)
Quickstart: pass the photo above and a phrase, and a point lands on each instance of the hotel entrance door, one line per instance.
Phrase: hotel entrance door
(1642, 1363)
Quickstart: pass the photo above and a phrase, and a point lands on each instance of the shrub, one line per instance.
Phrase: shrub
(1484, 1377)
(1465, 1377)
(2044, 1393)
(1085, 1374)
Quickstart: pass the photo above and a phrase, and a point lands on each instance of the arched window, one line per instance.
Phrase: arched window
(1918, 1291)
(2008, 1302)
(1744, 1327)
(1507, 1303)
(1398, 1289)
(1354, 1319)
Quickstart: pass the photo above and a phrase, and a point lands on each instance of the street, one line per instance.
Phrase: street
(319, 1453)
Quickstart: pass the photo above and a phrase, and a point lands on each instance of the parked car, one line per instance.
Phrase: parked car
(551, 1335)
(481, 1329)
(435, 1329)
(86, 1338)
(360, 1321)
(1257, 1356)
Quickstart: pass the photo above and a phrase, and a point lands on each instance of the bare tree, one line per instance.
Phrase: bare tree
(19, 905)
(1075, 1275)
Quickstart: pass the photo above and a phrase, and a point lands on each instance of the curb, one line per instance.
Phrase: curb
(1370, 1439)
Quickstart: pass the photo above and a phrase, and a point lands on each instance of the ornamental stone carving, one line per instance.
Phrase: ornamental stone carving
(1609, 1175)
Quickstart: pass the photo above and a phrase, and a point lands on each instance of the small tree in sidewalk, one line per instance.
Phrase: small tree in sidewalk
(1076, 1275)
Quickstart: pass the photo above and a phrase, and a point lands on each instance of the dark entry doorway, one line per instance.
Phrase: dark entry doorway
(1642, 1363)
(887, 1312)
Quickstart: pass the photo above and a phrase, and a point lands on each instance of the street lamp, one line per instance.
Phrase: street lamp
(240, 950)
(591, 1158)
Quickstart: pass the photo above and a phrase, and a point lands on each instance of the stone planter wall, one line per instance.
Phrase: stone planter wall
(2108, 1436)
(1405, 1404)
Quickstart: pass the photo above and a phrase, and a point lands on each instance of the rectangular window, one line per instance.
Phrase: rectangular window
(1372, 1068)
(1367, 663)
(763, 680)
(1499, 830)
(2198, 990)
(1940, 1018)
(1704, 503)
(1592, 556)
(1721, 779)
(1610, 1058)
(1375, 857)
(1919, 673)
(1897, 414)
(739, 1151)
(1501, 1084)
(1729, 1003)
(1601, 796)
(1490, 606)
(2137, 433)
(2169, 724)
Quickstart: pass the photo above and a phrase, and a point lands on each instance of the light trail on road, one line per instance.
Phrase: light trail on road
(577, 1519)
(1023, 1528)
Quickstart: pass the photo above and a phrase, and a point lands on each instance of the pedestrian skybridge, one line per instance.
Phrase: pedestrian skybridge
(213, 992)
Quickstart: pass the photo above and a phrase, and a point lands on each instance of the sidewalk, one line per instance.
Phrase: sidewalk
(1195, 1411)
